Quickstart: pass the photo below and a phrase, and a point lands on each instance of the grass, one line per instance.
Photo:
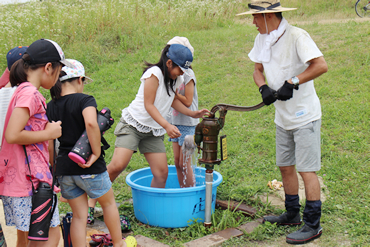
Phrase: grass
(113, 38)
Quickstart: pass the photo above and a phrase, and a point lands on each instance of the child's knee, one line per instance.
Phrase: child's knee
(161, 176)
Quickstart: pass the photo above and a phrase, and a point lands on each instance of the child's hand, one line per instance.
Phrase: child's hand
(200, 113)
(54, 128)
(173, 131)
(91, 160)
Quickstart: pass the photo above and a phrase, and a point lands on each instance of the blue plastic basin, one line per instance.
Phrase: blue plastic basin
(172, 206)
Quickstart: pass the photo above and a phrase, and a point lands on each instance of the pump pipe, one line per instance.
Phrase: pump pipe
(207, 132)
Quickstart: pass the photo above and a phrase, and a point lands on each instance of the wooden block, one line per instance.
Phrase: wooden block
(232, 205)
(250, 226)
(215, 239)
(148, 242)
(229, 232)
(206, 241)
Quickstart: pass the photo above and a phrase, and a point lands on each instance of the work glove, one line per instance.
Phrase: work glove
(268, 94)
(285, 92)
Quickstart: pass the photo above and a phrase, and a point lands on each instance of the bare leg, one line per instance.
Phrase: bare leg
(78, 225)
(176, 152)
(312, 185)
(62, 199)
(159, 168)
(22, 238)
(53, 241)
(290, 180)
(111, 217)
(121, 158)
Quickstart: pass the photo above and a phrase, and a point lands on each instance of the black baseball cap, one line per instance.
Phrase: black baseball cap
(46, 51)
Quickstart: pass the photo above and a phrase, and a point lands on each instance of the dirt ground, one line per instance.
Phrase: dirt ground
(277, 198)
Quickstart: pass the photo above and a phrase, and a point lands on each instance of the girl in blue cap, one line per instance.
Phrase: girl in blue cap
(143, 123)
(187, 94)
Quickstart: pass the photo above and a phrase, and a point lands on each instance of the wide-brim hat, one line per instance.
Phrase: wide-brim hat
(266, 6)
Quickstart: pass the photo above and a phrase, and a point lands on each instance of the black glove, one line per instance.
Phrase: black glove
(285, 92)
(268, 94)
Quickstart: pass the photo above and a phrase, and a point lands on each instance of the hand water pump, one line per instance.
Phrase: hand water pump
(206, 132)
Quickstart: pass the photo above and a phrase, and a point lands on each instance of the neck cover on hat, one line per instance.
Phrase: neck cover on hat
(267, 40)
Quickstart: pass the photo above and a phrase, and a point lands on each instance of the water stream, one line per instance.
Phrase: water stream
(190, 158)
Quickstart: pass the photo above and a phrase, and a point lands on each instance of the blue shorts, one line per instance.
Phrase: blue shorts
(17, 211)
(184, 130)
(94, 185)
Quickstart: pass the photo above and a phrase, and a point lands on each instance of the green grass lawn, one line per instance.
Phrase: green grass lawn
(114, 38)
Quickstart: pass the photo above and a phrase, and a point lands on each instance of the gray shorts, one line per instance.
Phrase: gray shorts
(300, 147)
(129, 137)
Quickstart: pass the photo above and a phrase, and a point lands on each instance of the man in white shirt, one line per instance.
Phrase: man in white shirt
(288, 60)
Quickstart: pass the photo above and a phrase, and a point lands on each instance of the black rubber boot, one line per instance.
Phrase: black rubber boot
(312, 213)
(291, 216)
(312, 229)
(287, 218)
(304, 235)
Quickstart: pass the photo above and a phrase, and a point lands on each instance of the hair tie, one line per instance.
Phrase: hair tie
(27, 62)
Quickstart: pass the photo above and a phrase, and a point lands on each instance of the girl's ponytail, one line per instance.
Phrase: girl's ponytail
(18, 72)
(56, 90)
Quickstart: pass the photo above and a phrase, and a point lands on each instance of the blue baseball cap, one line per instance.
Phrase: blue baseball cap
(180, 55)
(15, 54)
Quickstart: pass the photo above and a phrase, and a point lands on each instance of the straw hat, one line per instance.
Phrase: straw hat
(265, 6)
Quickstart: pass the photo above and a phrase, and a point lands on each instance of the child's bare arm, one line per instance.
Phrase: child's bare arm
(51, 150)
(178, 106)
(16, 134)
(93, 134)
(150, 89)
(187, 99)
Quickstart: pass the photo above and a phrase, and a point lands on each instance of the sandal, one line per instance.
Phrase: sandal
(130, 241)
(90, 216)
(105, 240)
(125, 223)
(100, 240)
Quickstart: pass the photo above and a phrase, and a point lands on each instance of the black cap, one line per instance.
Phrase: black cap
(46, 51)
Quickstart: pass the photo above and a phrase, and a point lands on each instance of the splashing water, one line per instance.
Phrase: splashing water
(189, 158)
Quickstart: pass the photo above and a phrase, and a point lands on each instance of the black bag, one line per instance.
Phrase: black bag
(43, 206)
(44, 202)
(66, 225)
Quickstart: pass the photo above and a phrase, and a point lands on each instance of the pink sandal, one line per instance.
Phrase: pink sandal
(98, 240)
